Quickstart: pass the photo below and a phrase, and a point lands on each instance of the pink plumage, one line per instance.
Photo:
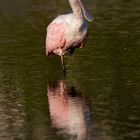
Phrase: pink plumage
(55, 38)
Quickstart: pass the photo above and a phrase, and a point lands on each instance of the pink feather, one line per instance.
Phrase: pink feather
(55, 38)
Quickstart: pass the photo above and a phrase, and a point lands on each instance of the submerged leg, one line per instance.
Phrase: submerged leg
(63, 65)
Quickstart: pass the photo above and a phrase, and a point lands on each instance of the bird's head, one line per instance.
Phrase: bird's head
(86, 14)
(79, 3)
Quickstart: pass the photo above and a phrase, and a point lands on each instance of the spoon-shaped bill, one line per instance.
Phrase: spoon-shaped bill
(87, 15)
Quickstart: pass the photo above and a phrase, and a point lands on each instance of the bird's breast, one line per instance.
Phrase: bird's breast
(77, 32)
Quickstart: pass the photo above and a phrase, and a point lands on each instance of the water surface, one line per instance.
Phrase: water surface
(99, 98)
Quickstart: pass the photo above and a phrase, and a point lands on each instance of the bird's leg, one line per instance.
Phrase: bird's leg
(63, 65)
(82, 44)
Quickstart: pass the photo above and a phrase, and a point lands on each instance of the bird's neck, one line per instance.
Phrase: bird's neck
(76, 8)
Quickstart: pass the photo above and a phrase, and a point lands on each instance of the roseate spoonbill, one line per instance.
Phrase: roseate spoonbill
(68, 31)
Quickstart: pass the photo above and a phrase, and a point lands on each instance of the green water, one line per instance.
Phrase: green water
(100, 97)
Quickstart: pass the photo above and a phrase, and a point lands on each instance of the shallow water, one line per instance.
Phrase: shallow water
(99, 98)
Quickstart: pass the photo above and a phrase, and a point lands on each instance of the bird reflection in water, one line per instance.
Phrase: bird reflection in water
(69, 111)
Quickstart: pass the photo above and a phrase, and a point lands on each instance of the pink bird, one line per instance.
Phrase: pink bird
(68, 31)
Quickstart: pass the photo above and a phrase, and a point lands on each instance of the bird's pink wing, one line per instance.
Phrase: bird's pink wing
(55, 38)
